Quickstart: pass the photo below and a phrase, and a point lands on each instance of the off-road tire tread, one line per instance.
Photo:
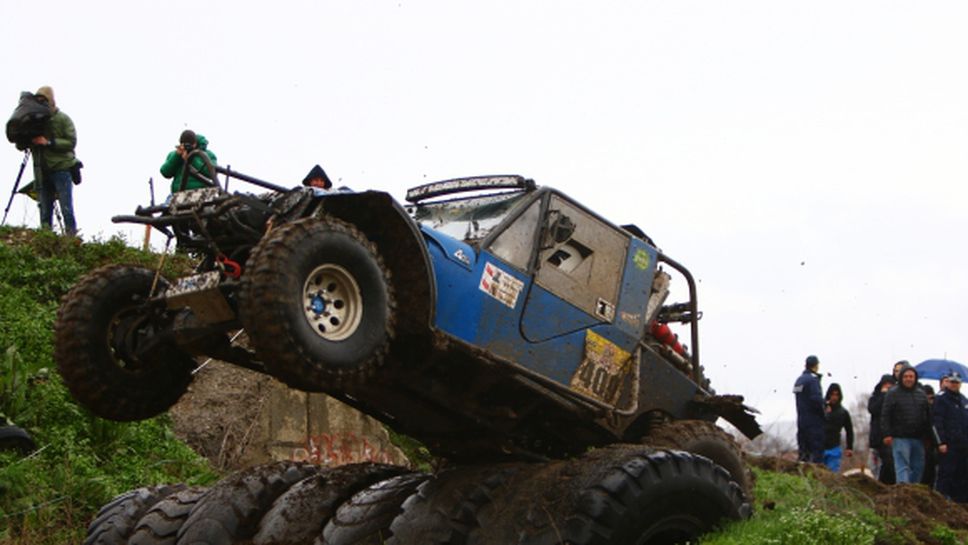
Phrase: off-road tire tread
(444, 510)
(233, 507)
(116, 520)
(366, 518)
(160, 524)
(16, 439)
(299, 514)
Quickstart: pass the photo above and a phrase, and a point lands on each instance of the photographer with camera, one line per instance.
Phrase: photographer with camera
(56, 169)
(175, 162)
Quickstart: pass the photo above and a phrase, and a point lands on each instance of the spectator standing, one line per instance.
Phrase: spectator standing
(174, 165)
(950, 418)
(930, 474)
(54, 159)
(884, 461)
(837, 419)
(810, 412)
(905, 421)
(317, 179)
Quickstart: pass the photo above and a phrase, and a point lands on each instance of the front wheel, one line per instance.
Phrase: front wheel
(105, 347)
(318, 304)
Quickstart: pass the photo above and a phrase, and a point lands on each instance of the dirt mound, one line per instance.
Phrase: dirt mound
(912, 511)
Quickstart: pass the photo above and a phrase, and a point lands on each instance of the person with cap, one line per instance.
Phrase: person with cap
(318, 180)
(883, 460)
(810, 412)
(905, 424)
(837, 420)
(54, 160)
(950, 418)
(174, 164)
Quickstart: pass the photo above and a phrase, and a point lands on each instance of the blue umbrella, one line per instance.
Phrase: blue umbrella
(938, 368)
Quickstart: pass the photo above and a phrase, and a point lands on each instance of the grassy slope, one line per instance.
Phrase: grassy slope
(82, 461)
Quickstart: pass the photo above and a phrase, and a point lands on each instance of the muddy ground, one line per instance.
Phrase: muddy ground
(922, 508)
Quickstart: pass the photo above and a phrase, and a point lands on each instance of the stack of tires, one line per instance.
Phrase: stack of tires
(618, 495)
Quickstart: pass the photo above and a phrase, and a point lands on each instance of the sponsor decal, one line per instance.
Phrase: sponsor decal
(603, 371)
(641, 259)
(500, 285)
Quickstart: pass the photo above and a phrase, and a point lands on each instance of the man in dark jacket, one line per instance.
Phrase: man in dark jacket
(54, 158)
(950, 417)
(884, 459)
(905, 423)
(810, 412)
(837, 420)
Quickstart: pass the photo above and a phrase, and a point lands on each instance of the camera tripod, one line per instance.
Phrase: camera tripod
(16, 184)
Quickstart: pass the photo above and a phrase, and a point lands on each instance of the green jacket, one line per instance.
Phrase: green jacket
(172, 168)
(59, 155)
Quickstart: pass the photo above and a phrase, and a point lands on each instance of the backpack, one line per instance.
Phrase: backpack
(28, 120)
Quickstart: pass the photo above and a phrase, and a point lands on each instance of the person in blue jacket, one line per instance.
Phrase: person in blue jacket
(950, 418)
(810, 412)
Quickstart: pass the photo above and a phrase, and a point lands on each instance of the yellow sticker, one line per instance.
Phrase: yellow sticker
(603, 370)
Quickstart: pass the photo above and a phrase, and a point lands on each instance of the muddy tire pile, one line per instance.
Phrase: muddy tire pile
(619, 495)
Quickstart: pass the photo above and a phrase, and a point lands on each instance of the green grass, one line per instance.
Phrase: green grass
(82, 461)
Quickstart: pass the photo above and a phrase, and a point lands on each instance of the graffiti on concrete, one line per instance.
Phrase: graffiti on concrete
(333, 449)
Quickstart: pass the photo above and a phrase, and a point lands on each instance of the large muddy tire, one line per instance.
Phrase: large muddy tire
(16, 439)
(625, 495)
(318, 304)
(115, 522)
(445, 509)
(160, 524)
(299, 515)
(705, 439)
(100, 326)
(233, 507)
(366, 518)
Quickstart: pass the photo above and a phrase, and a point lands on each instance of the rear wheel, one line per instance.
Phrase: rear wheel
(706, 439)
(103, 346)
(623, 495)
(317, 304)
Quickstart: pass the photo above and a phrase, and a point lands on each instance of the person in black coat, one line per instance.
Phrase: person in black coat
(837, 420)
(905, 424)
(950, 418)
(810, 412)
(884, 459)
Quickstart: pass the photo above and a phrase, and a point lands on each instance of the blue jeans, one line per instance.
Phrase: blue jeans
(831, 458)
(908, 459)
(57, 184)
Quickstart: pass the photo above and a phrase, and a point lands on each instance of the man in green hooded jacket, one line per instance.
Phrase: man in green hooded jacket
(54, 158)
(175, 162)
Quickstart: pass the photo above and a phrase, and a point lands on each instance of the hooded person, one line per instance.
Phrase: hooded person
(883, 460)
(905, 424)
(317, 179)
(950, 419)
(174, 165)
(837, 420)
(810, 412)
(53, 153)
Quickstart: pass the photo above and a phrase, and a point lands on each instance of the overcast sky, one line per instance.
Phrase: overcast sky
(806, 160)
